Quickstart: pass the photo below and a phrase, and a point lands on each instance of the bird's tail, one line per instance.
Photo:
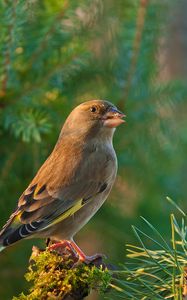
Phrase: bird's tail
(7, 231)
(1, 247)
(14, 230)
(2, 238)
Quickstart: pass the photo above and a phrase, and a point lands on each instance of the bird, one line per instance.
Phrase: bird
(73, 182)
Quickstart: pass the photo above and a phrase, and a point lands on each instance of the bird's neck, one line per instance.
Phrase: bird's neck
(82, 135)
(101, 142)
(79, 142)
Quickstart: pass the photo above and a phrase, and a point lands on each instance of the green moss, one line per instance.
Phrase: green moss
(54, 277)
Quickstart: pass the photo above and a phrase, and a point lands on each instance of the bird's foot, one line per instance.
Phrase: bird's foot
(96, 259)
(70, 247)
(64, 247)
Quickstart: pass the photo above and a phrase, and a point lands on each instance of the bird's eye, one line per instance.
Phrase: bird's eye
(93, 109)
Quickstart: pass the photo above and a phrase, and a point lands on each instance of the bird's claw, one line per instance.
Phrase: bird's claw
(94, 259)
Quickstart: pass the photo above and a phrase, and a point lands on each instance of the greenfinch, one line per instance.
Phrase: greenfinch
(73, 182)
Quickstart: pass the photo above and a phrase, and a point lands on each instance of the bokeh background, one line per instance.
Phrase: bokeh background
(56, 54)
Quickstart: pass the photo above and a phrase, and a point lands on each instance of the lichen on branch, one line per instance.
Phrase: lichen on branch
(55, 276)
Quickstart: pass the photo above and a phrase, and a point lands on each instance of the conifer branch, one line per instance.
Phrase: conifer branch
(140, 21)
(8, 46)
(43, 44)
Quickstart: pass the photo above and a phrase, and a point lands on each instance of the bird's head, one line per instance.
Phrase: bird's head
(94, 117)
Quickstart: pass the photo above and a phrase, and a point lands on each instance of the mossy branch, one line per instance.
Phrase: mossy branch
(56, 276)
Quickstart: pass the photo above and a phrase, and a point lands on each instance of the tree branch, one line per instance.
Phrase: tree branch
(62, 276)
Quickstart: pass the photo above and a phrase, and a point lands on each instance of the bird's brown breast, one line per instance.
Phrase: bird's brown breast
(101, 165)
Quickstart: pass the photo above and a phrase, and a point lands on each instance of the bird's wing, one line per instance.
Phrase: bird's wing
(39, 208)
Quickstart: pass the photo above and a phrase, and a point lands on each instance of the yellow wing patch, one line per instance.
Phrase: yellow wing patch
(67, 214)
(16, 219)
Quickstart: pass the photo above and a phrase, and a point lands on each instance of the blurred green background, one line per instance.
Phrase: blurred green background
(56, 54)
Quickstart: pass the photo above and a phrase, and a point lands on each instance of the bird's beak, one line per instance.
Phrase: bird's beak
(113, 117)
